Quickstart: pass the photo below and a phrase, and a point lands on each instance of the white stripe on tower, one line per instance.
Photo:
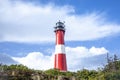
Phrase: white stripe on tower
(59, 49)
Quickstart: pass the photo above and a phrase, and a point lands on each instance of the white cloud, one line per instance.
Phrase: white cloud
(82, 57)
(77, 58)
(27, 22)
(90, 27)
(36, 60)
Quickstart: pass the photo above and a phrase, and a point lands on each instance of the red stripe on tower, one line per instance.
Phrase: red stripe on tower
(60, 56)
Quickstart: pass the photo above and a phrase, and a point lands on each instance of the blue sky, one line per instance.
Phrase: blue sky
(27, 37)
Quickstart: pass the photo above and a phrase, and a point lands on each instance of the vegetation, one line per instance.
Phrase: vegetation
(111, 71)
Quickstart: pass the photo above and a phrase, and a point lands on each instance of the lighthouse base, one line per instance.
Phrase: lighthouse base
(60, 62)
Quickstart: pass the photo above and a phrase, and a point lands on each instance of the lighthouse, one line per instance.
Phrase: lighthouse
(60, 56)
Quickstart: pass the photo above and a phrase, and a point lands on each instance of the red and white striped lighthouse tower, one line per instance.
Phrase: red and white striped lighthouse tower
(60, 56)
